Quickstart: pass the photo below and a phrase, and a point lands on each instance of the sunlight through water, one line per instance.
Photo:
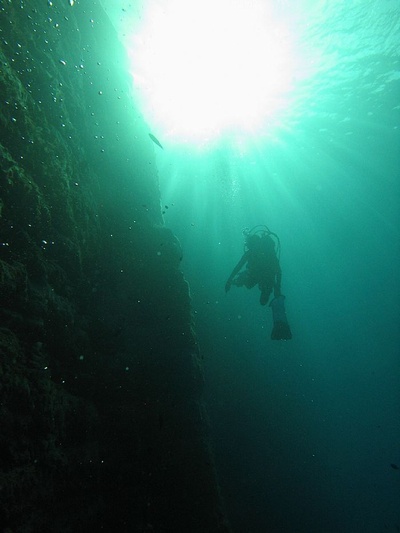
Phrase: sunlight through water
(296, 125)
(205, 69)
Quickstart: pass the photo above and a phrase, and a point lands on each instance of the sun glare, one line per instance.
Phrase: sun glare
(202, 69)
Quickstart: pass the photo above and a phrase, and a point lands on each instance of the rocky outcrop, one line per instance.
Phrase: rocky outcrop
(101, 414)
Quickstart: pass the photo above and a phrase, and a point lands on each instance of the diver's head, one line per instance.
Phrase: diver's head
(252, 241)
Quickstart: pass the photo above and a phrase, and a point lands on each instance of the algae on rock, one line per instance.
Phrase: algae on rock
(101, 381)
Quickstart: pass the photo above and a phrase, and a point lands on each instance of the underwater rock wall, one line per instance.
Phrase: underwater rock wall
(101, 415)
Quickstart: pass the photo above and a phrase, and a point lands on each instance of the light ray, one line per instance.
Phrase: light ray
(216, 67)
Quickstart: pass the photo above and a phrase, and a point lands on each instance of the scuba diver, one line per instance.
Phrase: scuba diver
(262, 264)
(261, 259)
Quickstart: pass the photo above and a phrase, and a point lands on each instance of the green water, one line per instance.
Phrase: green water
(305, 431)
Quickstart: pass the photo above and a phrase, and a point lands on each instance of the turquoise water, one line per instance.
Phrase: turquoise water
(305, 431)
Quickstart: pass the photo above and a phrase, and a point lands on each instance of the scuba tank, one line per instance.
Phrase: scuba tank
(263, 232)
(281, 329)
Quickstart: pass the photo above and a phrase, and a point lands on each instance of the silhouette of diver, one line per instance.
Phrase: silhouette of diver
(262, 265)
(262, 268)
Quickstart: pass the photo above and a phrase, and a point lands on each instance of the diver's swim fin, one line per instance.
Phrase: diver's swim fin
(281, 329)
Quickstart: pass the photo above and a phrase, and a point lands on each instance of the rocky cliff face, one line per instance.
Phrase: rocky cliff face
(102, 424)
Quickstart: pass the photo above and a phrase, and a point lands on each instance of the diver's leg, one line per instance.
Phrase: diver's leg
(265, 294)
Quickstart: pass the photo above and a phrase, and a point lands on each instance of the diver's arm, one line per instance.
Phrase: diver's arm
(235, 271)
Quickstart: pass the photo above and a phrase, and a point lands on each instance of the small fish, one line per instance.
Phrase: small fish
(155, 140)
(395, 467)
